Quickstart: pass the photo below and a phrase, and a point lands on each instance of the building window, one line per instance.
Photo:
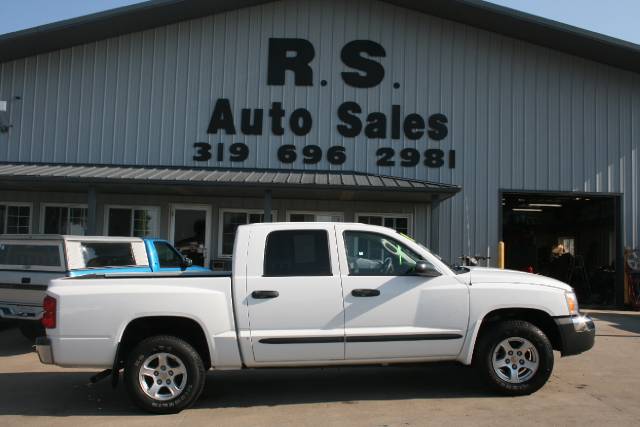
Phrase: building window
(230, 220)
(64, 219)
(132, 221)
(299, 216)
(398, 222)
(297, 253)
(15, 219)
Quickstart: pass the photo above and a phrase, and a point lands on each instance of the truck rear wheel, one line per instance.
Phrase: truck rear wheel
(515, 357)
(164, 375)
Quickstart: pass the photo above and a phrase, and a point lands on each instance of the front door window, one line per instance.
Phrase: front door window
(372, 254)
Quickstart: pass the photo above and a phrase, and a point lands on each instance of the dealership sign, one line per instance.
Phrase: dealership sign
(295, 55)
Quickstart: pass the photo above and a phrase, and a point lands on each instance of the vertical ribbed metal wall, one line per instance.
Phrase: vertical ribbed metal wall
(520, 116)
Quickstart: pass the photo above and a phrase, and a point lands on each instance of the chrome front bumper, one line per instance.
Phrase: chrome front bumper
(43, 348)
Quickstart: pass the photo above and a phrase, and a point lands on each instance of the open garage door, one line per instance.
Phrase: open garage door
(571, 237)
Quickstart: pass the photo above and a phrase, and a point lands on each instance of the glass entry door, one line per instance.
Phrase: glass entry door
(190, 232)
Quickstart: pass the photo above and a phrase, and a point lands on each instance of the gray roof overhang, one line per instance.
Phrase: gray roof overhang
(294, 184)
(476, 13)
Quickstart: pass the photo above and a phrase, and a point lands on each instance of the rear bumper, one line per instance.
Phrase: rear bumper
(20, 311)
(577, 333)
(43, 348)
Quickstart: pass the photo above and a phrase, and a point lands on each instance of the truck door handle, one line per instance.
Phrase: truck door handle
(365, 292)
(264, 294)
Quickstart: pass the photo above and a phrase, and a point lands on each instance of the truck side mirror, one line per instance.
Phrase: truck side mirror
(186, 263)
(423, 268)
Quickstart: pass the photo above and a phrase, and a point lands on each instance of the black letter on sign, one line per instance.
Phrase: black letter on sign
(373, 72)
(353, 125)
(300, 122)
(222, 118)
(277, 113)
(280, 61)
(249, 128)
(413, 126)
(376, 126)
(438, 129)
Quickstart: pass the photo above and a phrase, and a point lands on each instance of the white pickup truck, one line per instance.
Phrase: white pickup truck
(311, 294)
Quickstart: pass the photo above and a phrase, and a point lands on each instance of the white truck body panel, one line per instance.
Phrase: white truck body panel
(314, 319)
(88, 335)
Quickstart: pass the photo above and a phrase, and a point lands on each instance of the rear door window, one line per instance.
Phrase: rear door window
(101, 254)
(32, 256)
(297, 253)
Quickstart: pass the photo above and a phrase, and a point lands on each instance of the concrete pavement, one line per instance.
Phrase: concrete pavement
(599, 387)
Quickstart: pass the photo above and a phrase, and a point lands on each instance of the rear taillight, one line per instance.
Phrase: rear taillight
(49, 315)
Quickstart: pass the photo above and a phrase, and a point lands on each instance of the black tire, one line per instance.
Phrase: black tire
(32, 330)
(493, 336)
(175, 347)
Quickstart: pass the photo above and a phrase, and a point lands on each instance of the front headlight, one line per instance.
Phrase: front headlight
(572, 302)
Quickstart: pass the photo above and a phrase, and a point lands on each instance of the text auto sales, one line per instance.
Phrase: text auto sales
(295, 55)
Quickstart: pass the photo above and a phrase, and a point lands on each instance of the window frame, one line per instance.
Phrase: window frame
(222, 211)
(346, 253)
(83, 243)
(315, 213)
(386, 215)
(154, 208)
(171, 249)
(59, 243)
(329, 259)
(44, 206)
(3, 227)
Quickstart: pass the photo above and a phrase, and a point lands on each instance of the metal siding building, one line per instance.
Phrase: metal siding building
(520, 116)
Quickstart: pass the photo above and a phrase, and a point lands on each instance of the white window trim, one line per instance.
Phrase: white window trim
(3, 227)
(208, 223)
(155, 209)
(221, 212)
(389, 215)
(43, 207)
(328, 213)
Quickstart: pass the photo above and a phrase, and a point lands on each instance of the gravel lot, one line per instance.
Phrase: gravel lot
(600, 387)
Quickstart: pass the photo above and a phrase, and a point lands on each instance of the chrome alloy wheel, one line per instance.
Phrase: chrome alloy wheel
(515, 360)
(163, 376)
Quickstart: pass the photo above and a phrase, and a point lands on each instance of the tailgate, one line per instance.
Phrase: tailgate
(21, 293)
(24, 287)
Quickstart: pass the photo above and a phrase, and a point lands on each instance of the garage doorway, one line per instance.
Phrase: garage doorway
(573, 237)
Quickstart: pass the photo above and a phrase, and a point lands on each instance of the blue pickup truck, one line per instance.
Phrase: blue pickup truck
(29, 262)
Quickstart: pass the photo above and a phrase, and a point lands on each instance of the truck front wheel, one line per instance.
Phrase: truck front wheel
(515, 357)
(164, 374)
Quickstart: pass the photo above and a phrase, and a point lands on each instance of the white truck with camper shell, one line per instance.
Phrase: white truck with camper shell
(311, 294)
(29, 261)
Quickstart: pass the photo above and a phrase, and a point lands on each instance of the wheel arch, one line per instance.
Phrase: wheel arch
(539, 318)
(181, 327)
